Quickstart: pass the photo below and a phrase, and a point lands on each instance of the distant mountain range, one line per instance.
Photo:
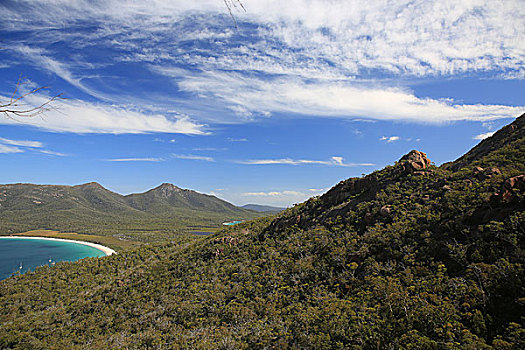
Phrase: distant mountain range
(263, 208)
(92, 208)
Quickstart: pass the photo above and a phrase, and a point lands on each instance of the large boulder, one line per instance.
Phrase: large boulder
(512, 187)
(415, 161)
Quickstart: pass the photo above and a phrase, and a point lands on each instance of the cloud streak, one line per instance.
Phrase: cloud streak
(336, 99)
(135, 160)
(484, 136)
(9, 149)
(194, 157)
(20, 146)
(81, 117)
(389, 139)
(280, 197)
(333, 161)
(306, 57)
(23, 143)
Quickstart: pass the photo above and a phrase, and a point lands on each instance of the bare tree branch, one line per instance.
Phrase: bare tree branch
(234, 4)
(17, 106)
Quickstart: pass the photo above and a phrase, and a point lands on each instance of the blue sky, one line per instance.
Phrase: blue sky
(296, 97)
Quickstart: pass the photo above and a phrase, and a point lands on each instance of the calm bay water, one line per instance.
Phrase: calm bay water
(26, 254)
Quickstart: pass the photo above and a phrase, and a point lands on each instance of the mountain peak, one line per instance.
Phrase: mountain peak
(166, 190)
(92, 184)
(167, 186)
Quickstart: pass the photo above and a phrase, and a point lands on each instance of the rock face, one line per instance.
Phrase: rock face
(512, 187)
(414, 161)
(483, 174)
(385, 210)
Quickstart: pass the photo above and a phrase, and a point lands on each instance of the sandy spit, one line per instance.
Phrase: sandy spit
(106, 250)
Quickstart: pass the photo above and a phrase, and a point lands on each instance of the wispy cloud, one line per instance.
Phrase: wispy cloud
(9, 149)
(307, 57)
(237, 140)
(52, 153)
(272, 194)
(20, 146)
(194, 157)
(317, 189)
(389, 138)
(38, 57)
(23, 143)
(279, 197)
(333, 161)
(164, 141)
(211, 149)
(335, 99)
(84, 117)
(484, 136)
(135, 160)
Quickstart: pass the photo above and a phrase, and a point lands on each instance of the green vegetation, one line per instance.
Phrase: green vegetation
(165, 212)
(409, 257)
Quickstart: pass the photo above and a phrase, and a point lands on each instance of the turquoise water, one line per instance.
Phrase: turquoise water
(232, 223)
(26, 254)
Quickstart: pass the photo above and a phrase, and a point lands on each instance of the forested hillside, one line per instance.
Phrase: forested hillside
(412, 256)
(157, 214)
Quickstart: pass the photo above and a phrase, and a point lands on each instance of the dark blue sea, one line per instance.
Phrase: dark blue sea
(18, 254)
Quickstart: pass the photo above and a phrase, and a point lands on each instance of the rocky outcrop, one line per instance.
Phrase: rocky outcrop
(348, 194)
(483, 174)
(414, 161)
(513, 188)
(385, 210)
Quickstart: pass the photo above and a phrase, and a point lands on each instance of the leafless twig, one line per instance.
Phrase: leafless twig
(17, 106)
(234, 4)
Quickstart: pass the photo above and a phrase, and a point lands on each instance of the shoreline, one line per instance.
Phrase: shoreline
(104, 249)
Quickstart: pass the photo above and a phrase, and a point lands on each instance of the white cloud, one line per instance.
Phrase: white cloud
(194, 157)
(9, 149)
(336, 99)
(214, 149)
(334, 161)
(13, 146)
(237, 140)
(84, 117)
(282, 198)
(318, 38)
(23, 143)
(163, 141)
(272, 194)
(52, 153)
(316, 52)
(389, 139)
(484, 136)
(38, 57)
(135, 160)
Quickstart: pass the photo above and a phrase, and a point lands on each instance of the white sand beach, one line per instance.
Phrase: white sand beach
(106, 250)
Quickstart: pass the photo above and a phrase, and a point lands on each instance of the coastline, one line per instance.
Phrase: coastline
(104, 249)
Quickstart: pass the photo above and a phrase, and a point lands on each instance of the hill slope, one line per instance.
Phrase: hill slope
(409, 257)
(166, 197)
(91, 208)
